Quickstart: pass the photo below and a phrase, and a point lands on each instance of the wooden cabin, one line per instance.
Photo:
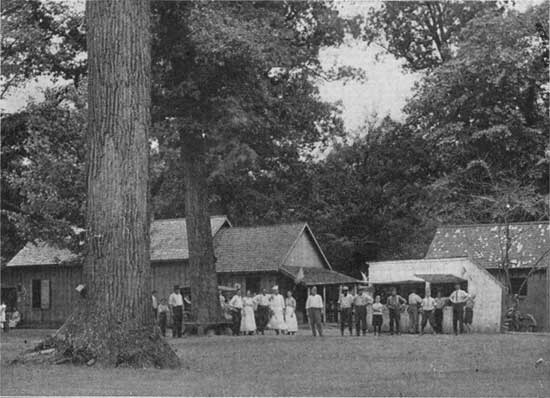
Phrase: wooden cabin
(41, 280)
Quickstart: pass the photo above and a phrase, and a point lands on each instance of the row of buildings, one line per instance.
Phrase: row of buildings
(40, 280)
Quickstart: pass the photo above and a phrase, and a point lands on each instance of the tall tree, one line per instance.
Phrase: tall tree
(113, 322)
(244, 70)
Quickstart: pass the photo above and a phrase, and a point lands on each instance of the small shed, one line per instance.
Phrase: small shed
(442, 274)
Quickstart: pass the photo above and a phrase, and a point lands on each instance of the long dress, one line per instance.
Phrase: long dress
(248, 324)
(277, 305)
(290, 315)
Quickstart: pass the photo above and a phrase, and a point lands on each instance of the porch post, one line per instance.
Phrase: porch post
(324, 304)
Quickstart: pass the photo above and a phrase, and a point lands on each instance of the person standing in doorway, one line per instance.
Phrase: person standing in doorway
(458, 299)
(175, 301)
(440, 303)
(345, 304)
(236, 305)
(394, 303)
(414, 305)
(262, 311)
(360, 303)
(154, 304)
(427, 310)
(314, 307)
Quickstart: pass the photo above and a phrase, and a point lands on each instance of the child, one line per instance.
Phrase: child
(377, 308)
(163, 311)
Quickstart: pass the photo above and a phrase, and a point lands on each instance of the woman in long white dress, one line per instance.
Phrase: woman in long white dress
(290, 314)
(248, 323)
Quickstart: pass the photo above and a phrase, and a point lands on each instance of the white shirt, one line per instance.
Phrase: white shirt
(315, 301)
(414, 299)
(458, 296)
(175, 300)
(277, 301)
(345, 301)
(377, 308)
(262, 299)
(154, 299)
(236, 302)
(428, 303)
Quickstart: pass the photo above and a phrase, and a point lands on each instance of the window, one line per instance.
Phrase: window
(516, 284)
(253, 284)
(41, 293)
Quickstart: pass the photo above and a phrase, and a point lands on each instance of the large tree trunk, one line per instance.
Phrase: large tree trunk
(113, 323)
(202, 262)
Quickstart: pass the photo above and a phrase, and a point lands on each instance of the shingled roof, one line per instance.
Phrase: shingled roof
(169, 237)
(263, 248)
(168, 242)
(320, 276)
(484, 243)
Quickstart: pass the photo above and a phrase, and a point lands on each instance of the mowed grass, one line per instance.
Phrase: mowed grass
(468, 365)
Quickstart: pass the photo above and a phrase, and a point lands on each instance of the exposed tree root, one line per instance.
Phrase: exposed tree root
(88, 338)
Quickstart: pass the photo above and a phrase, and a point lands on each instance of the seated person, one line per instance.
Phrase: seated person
(15, 318)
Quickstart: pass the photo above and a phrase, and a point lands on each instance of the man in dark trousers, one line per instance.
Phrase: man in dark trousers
(263, 311)
(394, 303)
(175, 301)
(360, 302)
(314, 307)
(458, 299)
(345, 303)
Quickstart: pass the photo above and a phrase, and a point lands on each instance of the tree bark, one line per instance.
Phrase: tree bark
(113, 323)
(205, 306)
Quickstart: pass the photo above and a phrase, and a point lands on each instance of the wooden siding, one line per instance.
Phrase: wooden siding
(63, 295)
(164, 275)
(304, 253)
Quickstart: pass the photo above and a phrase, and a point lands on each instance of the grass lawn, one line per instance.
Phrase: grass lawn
(468, 365)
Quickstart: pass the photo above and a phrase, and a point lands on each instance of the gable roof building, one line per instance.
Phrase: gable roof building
(485, 243)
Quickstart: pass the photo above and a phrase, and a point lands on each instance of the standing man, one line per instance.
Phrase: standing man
(458, 298)
(394, 303)
(440, 303)
(236, 305)
(314, 307)
(262, 301)
(427, 307)
(175, 301)
(414, 305)
(360, 302)
(154, 303)
(345, 302)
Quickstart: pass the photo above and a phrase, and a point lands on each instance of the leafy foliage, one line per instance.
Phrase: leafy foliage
(422, 33)
(41, 38)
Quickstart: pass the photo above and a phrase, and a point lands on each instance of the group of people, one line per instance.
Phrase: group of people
(8, 320)
(254, 314)
(421, 311)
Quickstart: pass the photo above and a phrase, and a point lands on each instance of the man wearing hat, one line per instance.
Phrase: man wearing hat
(360, 302)
(175, 301)
(277, 306)
(345, 303)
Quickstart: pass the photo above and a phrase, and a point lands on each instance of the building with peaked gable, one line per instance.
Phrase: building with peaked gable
(528, 253)
(40, 280)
